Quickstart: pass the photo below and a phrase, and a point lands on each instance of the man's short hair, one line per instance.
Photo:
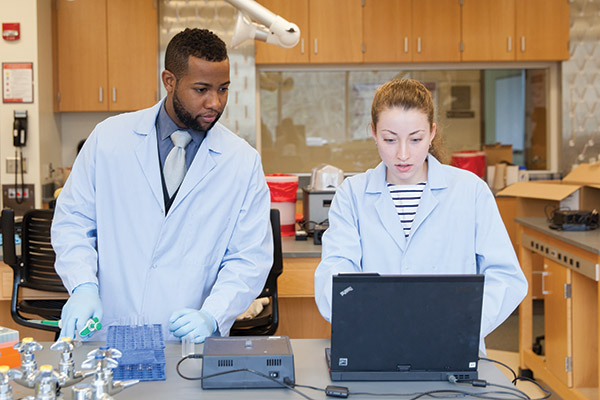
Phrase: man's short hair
(200, 43)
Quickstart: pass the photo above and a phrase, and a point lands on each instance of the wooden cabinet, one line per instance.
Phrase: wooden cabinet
(295, 11)
(387, 31)
(331, 32)
(557, 312)
(337, 31)
(542, 30)
(106, 55)
(436, 30)
(411, 30)
(488, 30)
(507, 30)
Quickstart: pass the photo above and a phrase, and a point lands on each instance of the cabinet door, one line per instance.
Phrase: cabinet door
(81, 55)
(335, 28)
(295, 11)
(132, 54)
(436, 30)
(488, 30)
(557, 320)
(542, 28)
(387, 29)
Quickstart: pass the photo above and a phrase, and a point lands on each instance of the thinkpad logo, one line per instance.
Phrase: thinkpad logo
(346, 291)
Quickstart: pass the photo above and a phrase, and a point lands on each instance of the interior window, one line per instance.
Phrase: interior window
(313, 117)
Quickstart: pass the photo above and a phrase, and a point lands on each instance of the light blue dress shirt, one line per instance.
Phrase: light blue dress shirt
(166, 126)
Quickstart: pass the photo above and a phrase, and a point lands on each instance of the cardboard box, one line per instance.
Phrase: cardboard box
(579, 190)
(497, 153)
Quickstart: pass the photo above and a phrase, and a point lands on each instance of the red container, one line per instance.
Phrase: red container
(471, 160)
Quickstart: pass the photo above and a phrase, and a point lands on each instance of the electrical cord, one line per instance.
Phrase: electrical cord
(441, 393)
(513, 392)
(196, 378)
(546, 392)
(309, 226)
(524, 378)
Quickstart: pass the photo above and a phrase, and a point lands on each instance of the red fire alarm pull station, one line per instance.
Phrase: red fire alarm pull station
(11, 31)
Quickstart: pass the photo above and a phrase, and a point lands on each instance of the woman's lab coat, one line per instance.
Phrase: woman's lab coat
(457, 230)
(213, 249)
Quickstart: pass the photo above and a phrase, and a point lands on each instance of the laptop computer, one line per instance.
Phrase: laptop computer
(405, 327)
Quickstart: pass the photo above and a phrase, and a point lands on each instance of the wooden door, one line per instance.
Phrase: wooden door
(542, 30)
(295, 11)
(557, 320)
(436, 30)
(335, 28)
(132, 27)
(488, 30)
(387, 29)
(80, 50)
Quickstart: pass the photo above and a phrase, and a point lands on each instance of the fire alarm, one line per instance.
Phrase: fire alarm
(11, 31)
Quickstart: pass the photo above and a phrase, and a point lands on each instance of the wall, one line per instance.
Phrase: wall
(581, 87)
(43, 144)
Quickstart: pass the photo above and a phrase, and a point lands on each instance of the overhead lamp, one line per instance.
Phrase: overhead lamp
(268, 27)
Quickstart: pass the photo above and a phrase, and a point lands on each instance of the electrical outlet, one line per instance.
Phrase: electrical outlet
(12, 163)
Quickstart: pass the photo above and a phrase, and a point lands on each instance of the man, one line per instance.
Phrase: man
(138, 238)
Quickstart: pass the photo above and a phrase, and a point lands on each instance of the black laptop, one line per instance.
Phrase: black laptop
(405, 327)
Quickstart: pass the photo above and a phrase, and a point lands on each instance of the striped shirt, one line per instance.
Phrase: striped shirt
(406, 198)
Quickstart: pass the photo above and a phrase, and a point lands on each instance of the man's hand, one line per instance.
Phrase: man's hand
(197, 322)
(83, 304)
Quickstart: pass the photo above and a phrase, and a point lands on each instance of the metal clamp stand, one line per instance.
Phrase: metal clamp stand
(46, 382)
(6, 375)
(102, 386)
(27, 347)
(66, 365)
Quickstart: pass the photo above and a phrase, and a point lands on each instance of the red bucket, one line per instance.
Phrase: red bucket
(471, 160)
(283, 189)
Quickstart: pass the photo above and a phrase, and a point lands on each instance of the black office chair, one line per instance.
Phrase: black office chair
(267, 321)
(34, 269)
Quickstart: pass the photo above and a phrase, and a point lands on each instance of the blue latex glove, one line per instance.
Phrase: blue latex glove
(197, 322)
(83, 304)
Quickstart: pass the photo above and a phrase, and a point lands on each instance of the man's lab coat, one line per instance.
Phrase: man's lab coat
(212, 250)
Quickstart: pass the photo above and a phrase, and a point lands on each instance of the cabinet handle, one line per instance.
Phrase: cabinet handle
(509, 44)
(406, 44)
(544, 291)
(114, 94)
(100, 97)
(523, 44)
(316, 47)
(418, 44)
(302, 46)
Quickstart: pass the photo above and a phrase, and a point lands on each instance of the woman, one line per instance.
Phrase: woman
(414, 215)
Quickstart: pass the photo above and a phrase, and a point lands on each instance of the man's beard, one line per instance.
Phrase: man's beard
(186, 118)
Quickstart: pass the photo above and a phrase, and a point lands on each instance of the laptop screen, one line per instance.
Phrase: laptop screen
(405, 327)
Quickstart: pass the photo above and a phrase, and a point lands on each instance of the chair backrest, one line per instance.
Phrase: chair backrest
(267, 321)
(38, 255)
(277, 268)
(36, 263)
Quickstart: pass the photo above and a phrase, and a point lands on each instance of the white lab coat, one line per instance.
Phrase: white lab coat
(213, 250)
(457, 230)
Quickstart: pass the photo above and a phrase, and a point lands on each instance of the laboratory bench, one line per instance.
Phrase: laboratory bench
(309, 365)
(298, 313)
(570, 288)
